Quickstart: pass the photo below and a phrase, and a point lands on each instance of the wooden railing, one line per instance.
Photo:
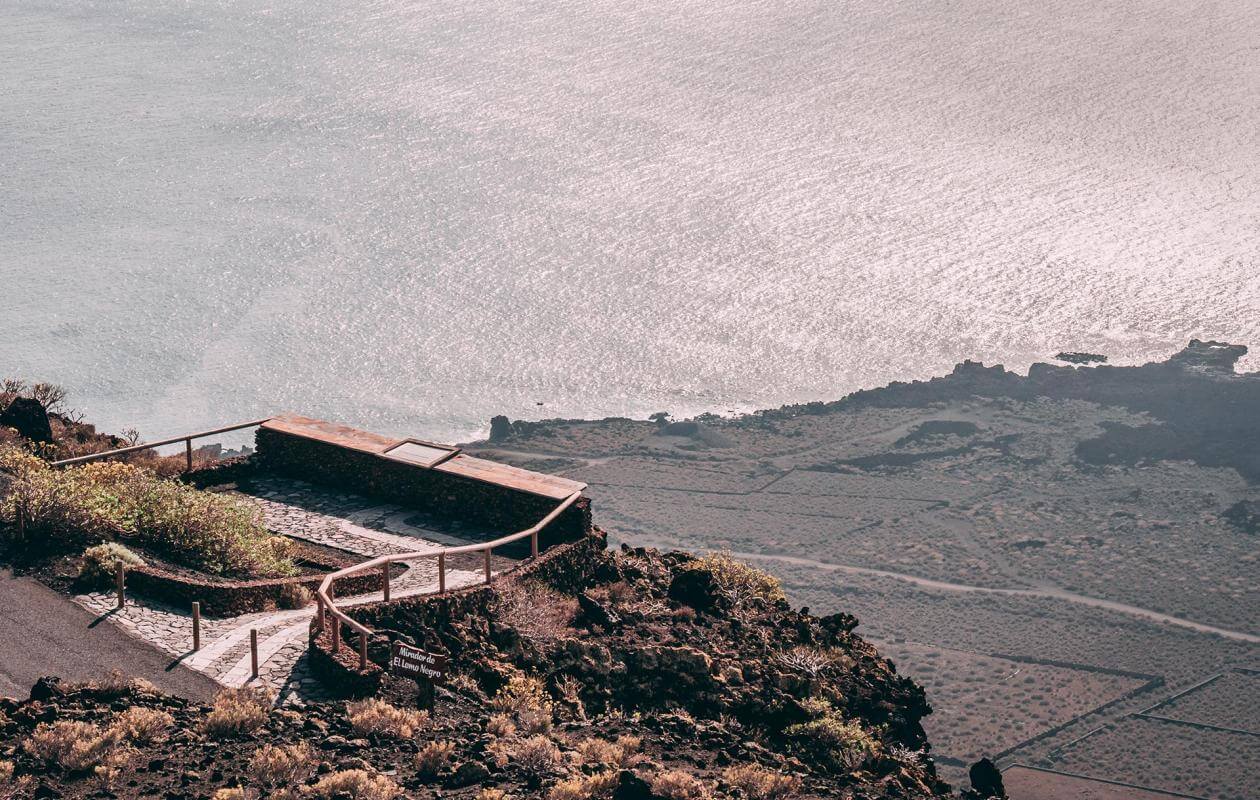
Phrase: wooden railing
(324, 597)
(136, 448)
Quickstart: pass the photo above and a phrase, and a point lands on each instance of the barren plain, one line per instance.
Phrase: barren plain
(1051, 555)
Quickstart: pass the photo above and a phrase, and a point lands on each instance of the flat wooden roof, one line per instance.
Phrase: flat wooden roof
(465, 466)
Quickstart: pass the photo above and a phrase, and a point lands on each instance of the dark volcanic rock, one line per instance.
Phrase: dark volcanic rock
(500, 428)
(695, 587)
(28, 418)
(1081, 358)
(986, 780)
(1245, 516)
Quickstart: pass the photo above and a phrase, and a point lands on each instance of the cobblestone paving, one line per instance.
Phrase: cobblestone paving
(296, 509)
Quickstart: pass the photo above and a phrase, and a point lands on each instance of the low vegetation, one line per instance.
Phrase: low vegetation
(741, 583)
(379, 718)
(280, 766)
(433, 758)
(758, 783)
(355, 784)
(100, 562)
(97, 502)
(829, 736)
(237, 711)
(678, 785)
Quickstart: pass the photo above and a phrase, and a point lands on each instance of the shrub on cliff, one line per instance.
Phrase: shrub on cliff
(841, 743)
(741, 583)
(758, 783)
(101, 561)
(74, 506)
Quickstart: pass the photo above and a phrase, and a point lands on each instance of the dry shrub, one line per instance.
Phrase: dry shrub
(678, 785)
(357, 784)
(810, 661)
(237, 711)
(141, 725)
(536, 612)
(758, 783)
(6, 772)
(100, 562)
(295, 595)
(617, 754)
(500, 726)
(570, 690)
(537, 756)
(522, 693)
(532, 721)
(378, 717)
(118, 683)
(107, 500)
(276, 766)
(584, 787)
(72, 745)
(11, 787)
(491, 793)
(740, 582)
(234, 793)
(433, 758)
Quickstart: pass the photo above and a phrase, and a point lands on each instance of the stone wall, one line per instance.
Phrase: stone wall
(442, 494)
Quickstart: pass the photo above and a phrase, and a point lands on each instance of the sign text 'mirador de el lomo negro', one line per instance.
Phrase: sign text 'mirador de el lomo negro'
(412, 662)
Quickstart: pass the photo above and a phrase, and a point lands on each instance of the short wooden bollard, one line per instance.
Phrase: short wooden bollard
(441, 572)
(120, 581)
(196, 612)
(253, 652)
(487, 565)
(385, 581)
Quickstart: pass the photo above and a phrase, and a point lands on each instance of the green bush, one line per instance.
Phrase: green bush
(842, 743)
(741, 582)
(100, 561)
(108, 500)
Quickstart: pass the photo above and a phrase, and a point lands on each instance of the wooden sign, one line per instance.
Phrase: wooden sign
(412, 662)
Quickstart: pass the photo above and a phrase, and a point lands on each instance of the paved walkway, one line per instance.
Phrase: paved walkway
(43, 633)
(302, 511)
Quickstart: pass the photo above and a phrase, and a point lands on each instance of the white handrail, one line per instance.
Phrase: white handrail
(324, 596)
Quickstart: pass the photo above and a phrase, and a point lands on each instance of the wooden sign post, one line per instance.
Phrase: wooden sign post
(425, 668)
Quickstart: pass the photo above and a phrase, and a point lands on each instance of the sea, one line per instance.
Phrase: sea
(410, 216)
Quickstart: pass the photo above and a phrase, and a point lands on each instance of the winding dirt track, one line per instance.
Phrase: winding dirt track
(1043, 592)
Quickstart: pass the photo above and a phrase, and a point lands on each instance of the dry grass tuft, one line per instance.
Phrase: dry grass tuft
(585, 787)
(235, 793)
(758, 783)
(617, 754)
(356, 784)
(278, 766)
(141, 725)
(375, 716)
(295, 595)
(678, 785)
(536, 612)
(500, 726)
(537, 756)
(74, 746)
(434, 758)
(490, 793)
(237, 711)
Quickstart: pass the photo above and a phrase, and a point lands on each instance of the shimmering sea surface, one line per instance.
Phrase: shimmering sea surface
(413, 215)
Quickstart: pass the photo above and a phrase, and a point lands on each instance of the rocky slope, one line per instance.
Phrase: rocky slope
(660, 676)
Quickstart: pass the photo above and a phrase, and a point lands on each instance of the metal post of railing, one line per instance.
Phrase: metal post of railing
(196, 614)
(385, 581)
(188, 451)
(441, 572)
(487, 565)
(363, 644)
(120, 580)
